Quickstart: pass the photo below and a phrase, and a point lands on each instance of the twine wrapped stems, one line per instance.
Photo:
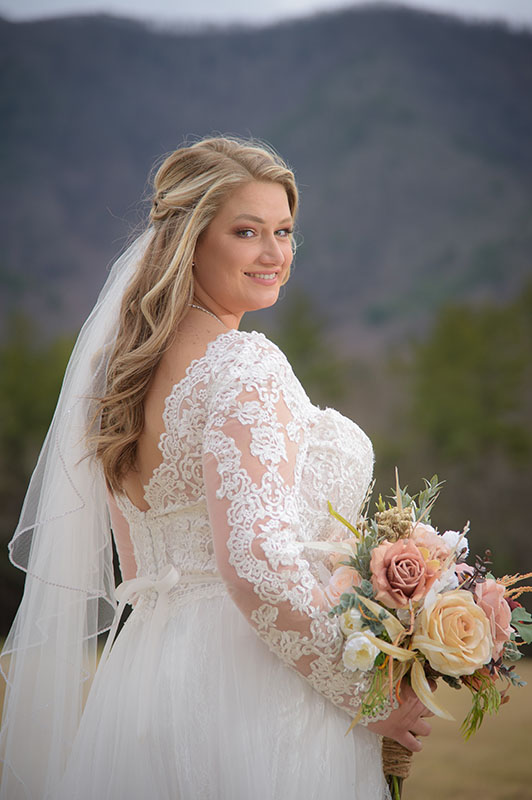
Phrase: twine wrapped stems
(396, 763)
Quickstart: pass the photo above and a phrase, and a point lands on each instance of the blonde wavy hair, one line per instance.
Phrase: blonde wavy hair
(189, 188)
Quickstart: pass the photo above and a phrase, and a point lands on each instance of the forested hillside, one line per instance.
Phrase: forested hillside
(410, 134)
(410, 306)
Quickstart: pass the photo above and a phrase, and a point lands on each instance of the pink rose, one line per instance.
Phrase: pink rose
(490, 597)
(400, 573)
(342, 580)
(425, 536)
(463, 571)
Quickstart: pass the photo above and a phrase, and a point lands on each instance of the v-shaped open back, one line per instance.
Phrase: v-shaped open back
(178, 389)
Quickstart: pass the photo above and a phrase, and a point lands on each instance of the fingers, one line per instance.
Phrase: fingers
(411, 701)
(412, 715)
(412, 705)
(421, 728)
(407, 721)
(408, 740)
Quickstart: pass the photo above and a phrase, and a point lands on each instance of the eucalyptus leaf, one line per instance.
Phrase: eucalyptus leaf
(516, 680)
(366, 588)
(522, 622)
(511, 652)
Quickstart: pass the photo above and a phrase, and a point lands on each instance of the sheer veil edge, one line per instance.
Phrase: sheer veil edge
(63, 543)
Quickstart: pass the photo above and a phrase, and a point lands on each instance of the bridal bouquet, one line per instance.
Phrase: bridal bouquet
(410, 605)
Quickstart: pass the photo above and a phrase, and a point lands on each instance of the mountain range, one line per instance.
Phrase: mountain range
(410, 134)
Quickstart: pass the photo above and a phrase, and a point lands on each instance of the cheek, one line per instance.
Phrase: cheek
(289, 253)
(289, 257)
(216, 264)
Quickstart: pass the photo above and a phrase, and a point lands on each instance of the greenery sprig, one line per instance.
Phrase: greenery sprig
(486, 699)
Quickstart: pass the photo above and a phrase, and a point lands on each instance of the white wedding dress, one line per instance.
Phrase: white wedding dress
(225, 683)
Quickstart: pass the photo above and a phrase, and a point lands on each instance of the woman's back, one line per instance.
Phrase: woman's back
(208, 415)
(190, 344)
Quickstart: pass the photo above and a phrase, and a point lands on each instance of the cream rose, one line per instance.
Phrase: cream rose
(454, 634)
(490, 597)
(359, 653)
(400, 573)
(342, 580)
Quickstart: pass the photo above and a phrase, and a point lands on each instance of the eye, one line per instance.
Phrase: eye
(285, 232)
(245, 233)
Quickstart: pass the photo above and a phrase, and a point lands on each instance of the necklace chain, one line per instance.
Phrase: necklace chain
(206, 310)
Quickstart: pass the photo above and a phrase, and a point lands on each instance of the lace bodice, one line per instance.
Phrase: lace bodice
(248, 465)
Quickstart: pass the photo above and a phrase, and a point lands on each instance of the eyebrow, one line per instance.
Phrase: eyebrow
(258, 219)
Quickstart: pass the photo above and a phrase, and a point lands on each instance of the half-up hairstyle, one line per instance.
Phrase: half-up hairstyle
(189, 188)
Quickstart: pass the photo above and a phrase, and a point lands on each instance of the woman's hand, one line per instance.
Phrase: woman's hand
(405, 722)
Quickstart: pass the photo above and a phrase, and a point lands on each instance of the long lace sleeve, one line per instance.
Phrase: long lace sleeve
(253, 448)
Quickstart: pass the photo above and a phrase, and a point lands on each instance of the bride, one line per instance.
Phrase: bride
(196, 443)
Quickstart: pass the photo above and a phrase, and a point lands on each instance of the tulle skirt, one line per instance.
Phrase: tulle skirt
(213, 715)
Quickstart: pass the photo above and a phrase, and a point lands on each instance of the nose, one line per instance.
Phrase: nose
(271, 252)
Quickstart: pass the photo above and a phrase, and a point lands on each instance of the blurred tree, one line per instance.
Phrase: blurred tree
(466, 414)
(469, 381)
(302, 336)
(31, 372)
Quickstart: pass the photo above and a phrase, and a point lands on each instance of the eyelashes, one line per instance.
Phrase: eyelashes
(248, 233)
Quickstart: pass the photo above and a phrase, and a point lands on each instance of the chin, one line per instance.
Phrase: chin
(264, 303)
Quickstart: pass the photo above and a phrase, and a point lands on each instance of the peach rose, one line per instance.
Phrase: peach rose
(425, 536)
(337, 558)
(490, 597)
(400, 573)
(342, 580)
(454, 634)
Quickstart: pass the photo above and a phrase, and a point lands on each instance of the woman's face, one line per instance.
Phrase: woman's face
(244, 255)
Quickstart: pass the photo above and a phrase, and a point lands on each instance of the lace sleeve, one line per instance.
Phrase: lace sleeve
(252, 443)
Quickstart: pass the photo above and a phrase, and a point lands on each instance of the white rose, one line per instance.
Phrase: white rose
(350, 621)
(359, 653)
(451, 540)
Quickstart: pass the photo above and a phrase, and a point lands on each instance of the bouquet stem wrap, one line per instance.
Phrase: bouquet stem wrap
(396, 763)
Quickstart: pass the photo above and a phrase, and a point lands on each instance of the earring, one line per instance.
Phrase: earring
(193, 264)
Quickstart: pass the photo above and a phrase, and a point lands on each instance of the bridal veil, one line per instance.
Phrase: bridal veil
(63, 543)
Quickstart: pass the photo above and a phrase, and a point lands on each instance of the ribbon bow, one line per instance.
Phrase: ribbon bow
(168, 577)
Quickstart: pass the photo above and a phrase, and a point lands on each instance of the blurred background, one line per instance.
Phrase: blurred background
(410, 306)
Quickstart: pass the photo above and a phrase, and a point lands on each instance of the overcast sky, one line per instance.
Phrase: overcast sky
(516, 12)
